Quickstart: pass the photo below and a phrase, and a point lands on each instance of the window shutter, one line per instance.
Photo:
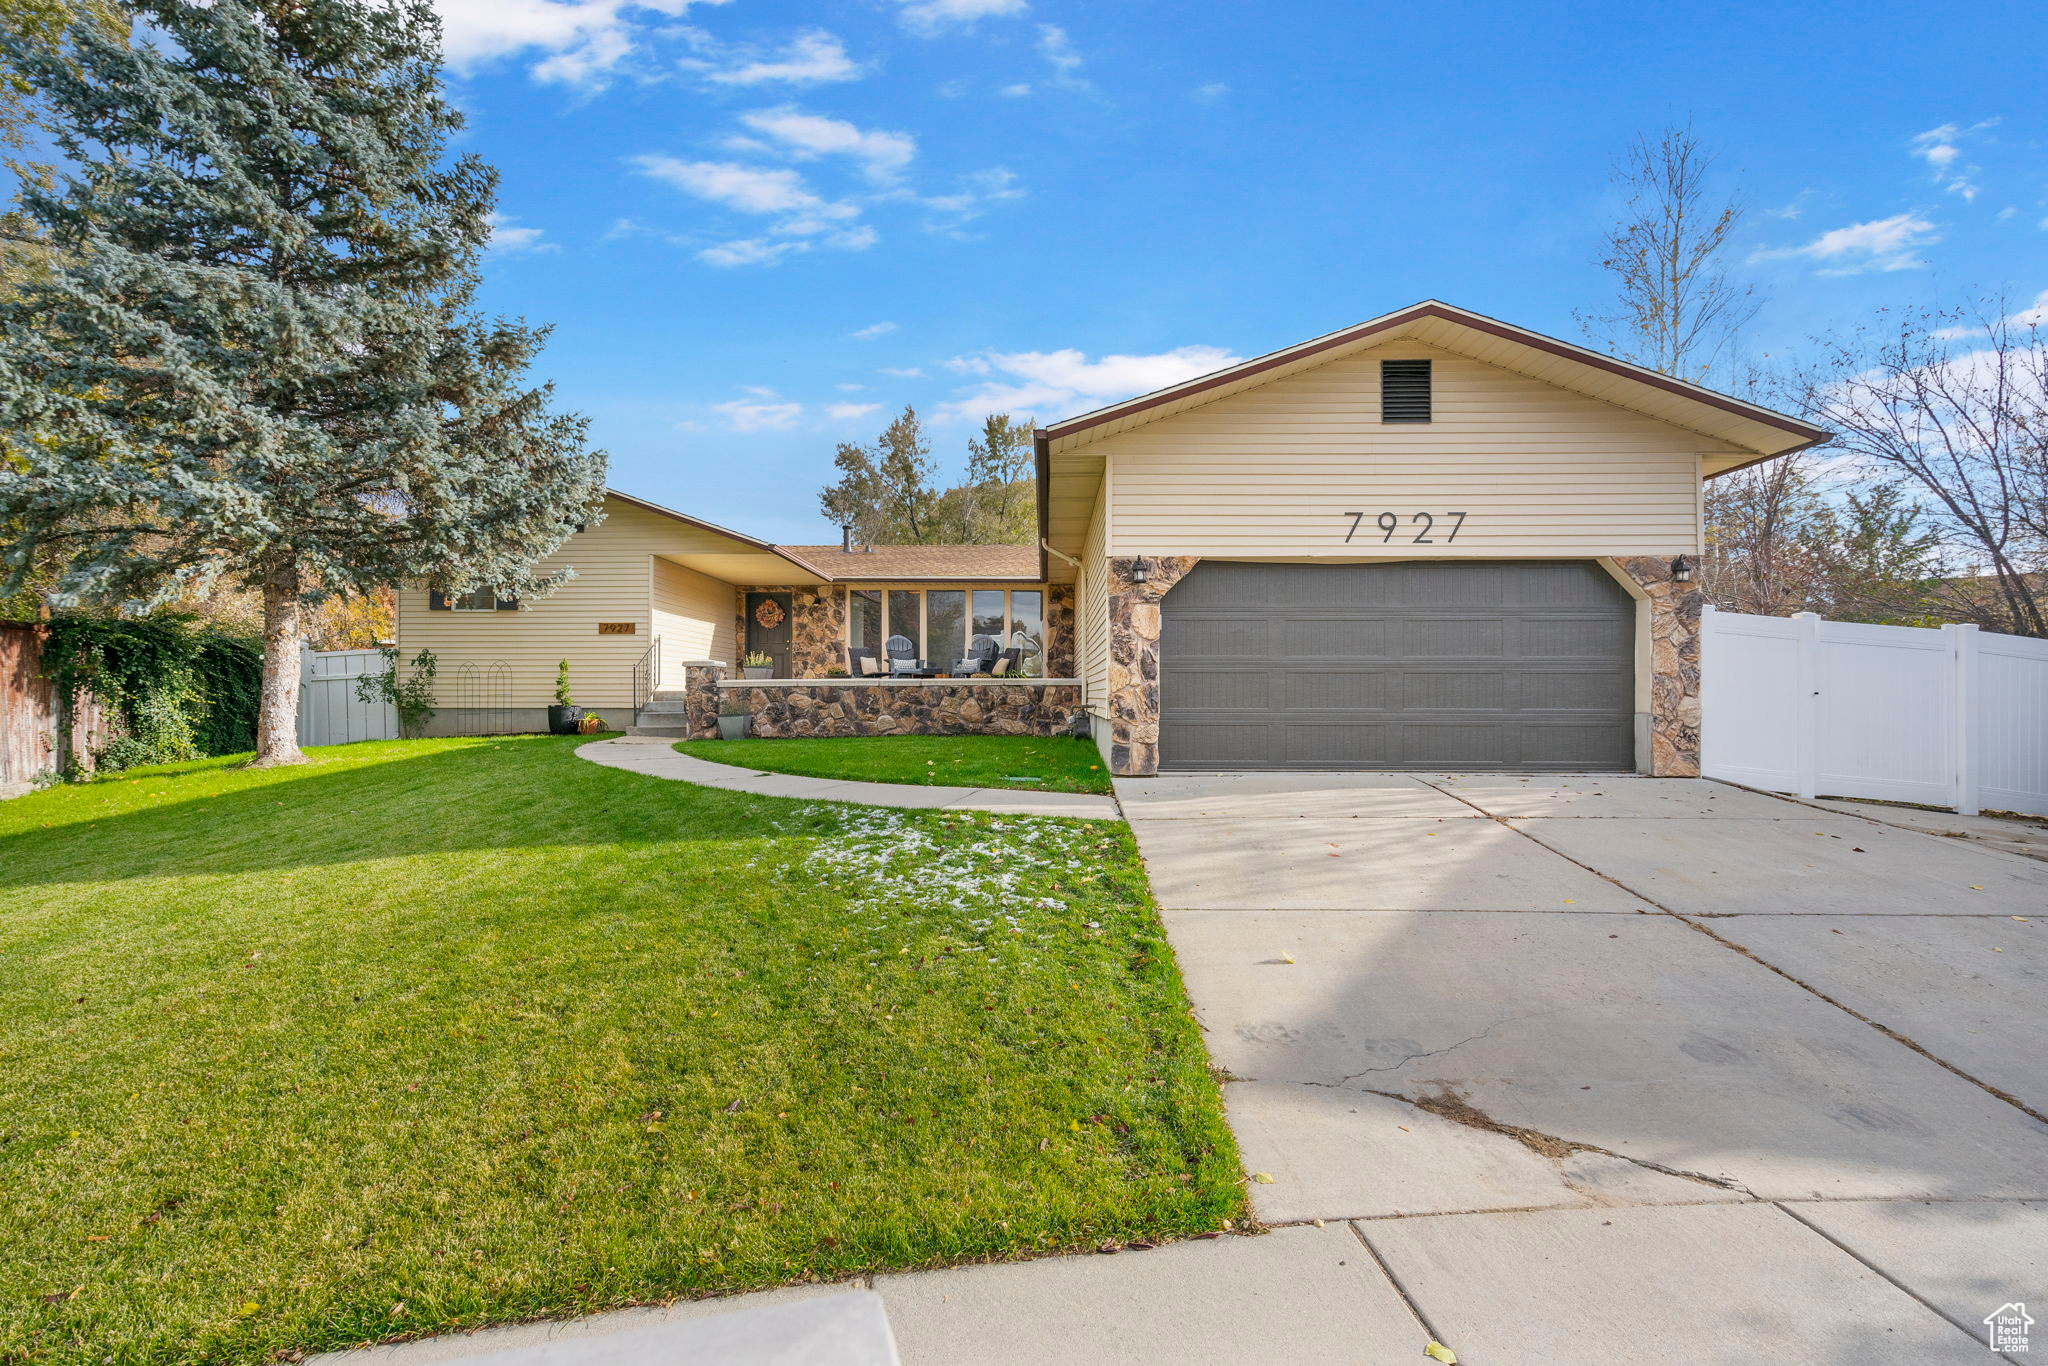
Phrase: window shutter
(1404, 391)
(437, 601)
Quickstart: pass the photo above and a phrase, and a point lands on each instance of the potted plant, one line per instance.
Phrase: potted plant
(734, 720)
(565, 716)
(591, 724)
(757, 665)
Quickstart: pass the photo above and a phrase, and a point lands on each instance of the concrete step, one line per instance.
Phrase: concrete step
(675, 732)
(663, 709)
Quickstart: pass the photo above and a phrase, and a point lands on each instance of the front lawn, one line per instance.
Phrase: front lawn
(428, 1034)
(1042, 764)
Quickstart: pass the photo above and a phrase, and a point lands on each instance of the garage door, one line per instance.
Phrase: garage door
(1521, 666)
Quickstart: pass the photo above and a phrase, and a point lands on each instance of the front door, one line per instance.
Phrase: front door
(768, 629)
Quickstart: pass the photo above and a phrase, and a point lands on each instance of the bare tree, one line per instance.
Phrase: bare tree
(1954, 403)
(1676, 311)
(1758, 521)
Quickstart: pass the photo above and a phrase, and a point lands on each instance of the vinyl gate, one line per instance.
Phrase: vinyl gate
(329, 711)
(1948, 717)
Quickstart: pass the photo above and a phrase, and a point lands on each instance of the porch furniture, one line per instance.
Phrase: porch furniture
(862, 663)
(981, 655)
(903, 660)
(1006, 663)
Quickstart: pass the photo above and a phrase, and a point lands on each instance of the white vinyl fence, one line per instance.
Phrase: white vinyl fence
(329, 711)
(1943, 717)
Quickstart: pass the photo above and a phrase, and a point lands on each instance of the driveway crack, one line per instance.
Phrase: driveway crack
(1448, 1104)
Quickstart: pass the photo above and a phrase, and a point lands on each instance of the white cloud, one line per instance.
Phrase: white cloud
(508, 239)
(1016, 91)
(1060, 383)
(872, 331)
(743, 416)
(1059, 54)
(849, 388)
(1937, 147)
(1883, 244)
(2035, 315)
(777, 193)
(977, 190)
(882, 155)
(929, 16)
(847, 412)
(912, 373)
(580, 41)
(1214, 90)
(810, 58)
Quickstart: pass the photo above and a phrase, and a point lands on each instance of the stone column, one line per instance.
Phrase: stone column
(817, 630)
(700, 697)
(1059, 630)
(1134, 660)
(1674, 665)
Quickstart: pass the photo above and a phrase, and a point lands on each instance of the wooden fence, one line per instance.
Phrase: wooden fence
(39, 734)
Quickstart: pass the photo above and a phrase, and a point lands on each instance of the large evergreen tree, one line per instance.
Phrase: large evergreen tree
(258, 359)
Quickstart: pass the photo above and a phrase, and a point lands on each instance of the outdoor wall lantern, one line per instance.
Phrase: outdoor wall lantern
(1681, 569)
(1138, 570)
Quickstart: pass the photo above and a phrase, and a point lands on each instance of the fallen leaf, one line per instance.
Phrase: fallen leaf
(733, 1108)
(1437, 1351)
(1263, 1178)
(1287, 958)
(2022, 919)
(1975, 888)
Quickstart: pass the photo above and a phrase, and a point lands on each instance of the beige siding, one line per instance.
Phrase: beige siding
(1091, 618)
(1273, 471)
(693, 616)
(614, 564)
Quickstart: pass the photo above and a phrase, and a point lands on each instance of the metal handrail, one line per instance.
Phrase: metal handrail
(646, 677)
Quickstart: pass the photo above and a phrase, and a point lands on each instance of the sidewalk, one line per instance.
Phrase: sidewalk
(656, 756)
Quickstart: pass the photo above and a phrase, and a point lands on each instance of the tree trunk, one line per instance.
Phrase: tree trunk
(277, 713)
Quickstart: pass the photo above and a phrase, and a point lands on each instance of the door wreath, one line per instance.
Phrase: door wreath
(769, 614)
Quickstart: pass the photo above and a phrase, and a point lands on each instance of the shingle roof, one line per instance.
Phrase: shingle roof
(956, 562)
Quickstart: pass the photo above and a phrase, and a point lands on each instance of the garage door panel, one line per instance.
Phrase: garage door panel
(1224, 638)
(1594, 692)
(1454, 638)
(1575, 638)
(1195, 690)
(1448, 690)
(1330, 637)
(1501, 665)
(1335, 690)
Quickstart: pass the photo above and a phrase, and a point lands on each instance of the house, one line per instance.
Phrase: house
(1429, 541)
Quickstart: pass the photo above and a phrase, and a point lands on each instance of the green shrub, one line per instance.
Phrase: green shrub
(173, 687)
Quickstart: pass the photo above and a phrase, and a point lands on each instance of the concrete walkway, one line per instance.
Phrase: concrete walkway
(657, 757)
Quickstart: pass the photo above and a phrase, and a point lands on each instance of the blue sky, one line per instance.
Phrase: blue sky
(759, 228)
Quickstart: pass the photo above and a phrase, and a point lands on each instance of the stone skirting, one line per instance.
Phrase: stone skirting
(813, 709)
(1674, 665)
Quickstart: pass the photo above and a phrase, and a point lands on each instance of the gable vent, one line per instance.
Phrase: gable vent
(1404, 391)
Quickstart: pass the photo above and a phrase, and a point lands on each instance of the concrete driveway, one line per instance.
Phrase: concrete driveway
(1595, 1066)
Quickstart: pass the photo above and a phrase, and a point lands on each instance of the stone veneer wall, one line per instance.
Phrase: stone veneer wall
(700, 699)
(1134, 660)
(1059, 630)
(1674, 665)
(824, 710)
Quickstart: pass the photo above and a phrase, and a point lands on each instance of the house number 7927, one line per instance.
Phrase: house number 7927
(1421, 523)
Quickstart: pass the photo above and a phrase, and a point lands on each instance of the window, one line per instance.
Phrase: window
(943, 624)
(476, 600)
(906, 618)
(864, 620)
(1027, 632)
(1404, 391)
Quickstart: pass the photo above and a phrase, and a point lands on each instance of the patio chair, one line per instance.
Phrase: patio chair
(980, 657)
(902, 656)
(862, 662)
(1006, 663)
